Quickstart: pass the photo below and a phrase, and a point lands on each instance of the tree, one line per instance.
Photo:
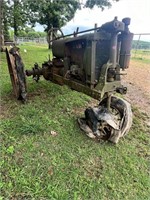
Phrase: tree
(20, 17)
(50, 13)
(99, 3)
(4, 20)
(17, 15)
(6, 29)
(13, 15)
(17, 19)
(29, 29)
(56, 13)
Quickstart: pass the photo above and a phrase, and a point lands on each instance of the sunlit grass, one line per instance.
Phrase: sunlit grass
(141, 55)
(36, 165)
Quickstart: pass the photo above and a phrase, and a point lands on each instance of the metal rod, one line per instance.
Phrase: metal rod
(92, 29)
(141, 33)
(137, 45)
(93, 59)
(108, 101)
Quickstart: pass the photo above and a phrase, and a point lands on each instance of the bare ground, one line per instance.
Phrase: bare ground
(137, 81)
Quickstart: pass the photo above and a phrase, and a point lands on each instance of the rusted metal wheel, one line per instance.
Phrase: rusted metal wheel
(101, 123)
(121, 115)
(16, 71)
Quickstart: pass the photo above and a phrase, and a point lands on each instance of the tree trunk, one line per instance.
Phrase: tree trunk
(1, 26)
(16, 2)
(6, 29)
(15, 27)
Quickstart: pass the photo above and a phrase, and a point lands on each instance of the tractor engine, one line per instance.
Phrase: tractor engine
(84, 56)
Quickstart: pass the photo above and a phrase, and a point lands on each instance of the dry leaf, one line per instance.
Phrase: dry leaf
(42, 154)
(50, 171)
(54, 133)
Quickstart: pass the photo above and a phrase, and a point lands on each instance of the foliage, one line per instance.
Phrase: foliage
(99, 3)
(36, 165)
(17, 15)
(33, 34)
(140, 44)
(54, 13)
(42, 34)
(6, 16)
(29, 29)
(58, 13)
(21, 33)
(20, 13)
(29, 33)
(11, 34)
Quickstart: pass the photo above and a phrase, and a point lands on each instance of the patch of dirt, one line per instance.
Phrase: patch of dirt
(137, 81)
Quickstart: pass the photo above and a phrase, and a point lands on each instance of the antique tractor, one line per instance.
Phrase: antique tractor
(91, 63)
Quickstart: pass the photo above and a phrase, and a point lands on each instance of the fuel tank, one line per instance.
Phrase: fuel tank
(58, 48)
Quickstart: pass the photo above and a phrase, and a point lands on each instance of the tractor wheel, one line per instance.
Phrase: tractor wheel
(122, 115)
(101, 123)
(17, 75)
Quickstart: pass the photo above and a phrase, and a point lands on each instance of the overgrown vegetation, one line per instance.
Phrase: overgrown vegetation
(38, 165)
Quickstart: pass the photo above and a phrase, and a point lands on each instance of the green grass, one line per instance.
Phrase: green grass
(142, 56)
(36, 165)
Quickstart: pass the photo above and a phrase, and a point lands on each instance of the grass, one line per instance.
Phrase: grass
(36, 165)
(141, 56)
